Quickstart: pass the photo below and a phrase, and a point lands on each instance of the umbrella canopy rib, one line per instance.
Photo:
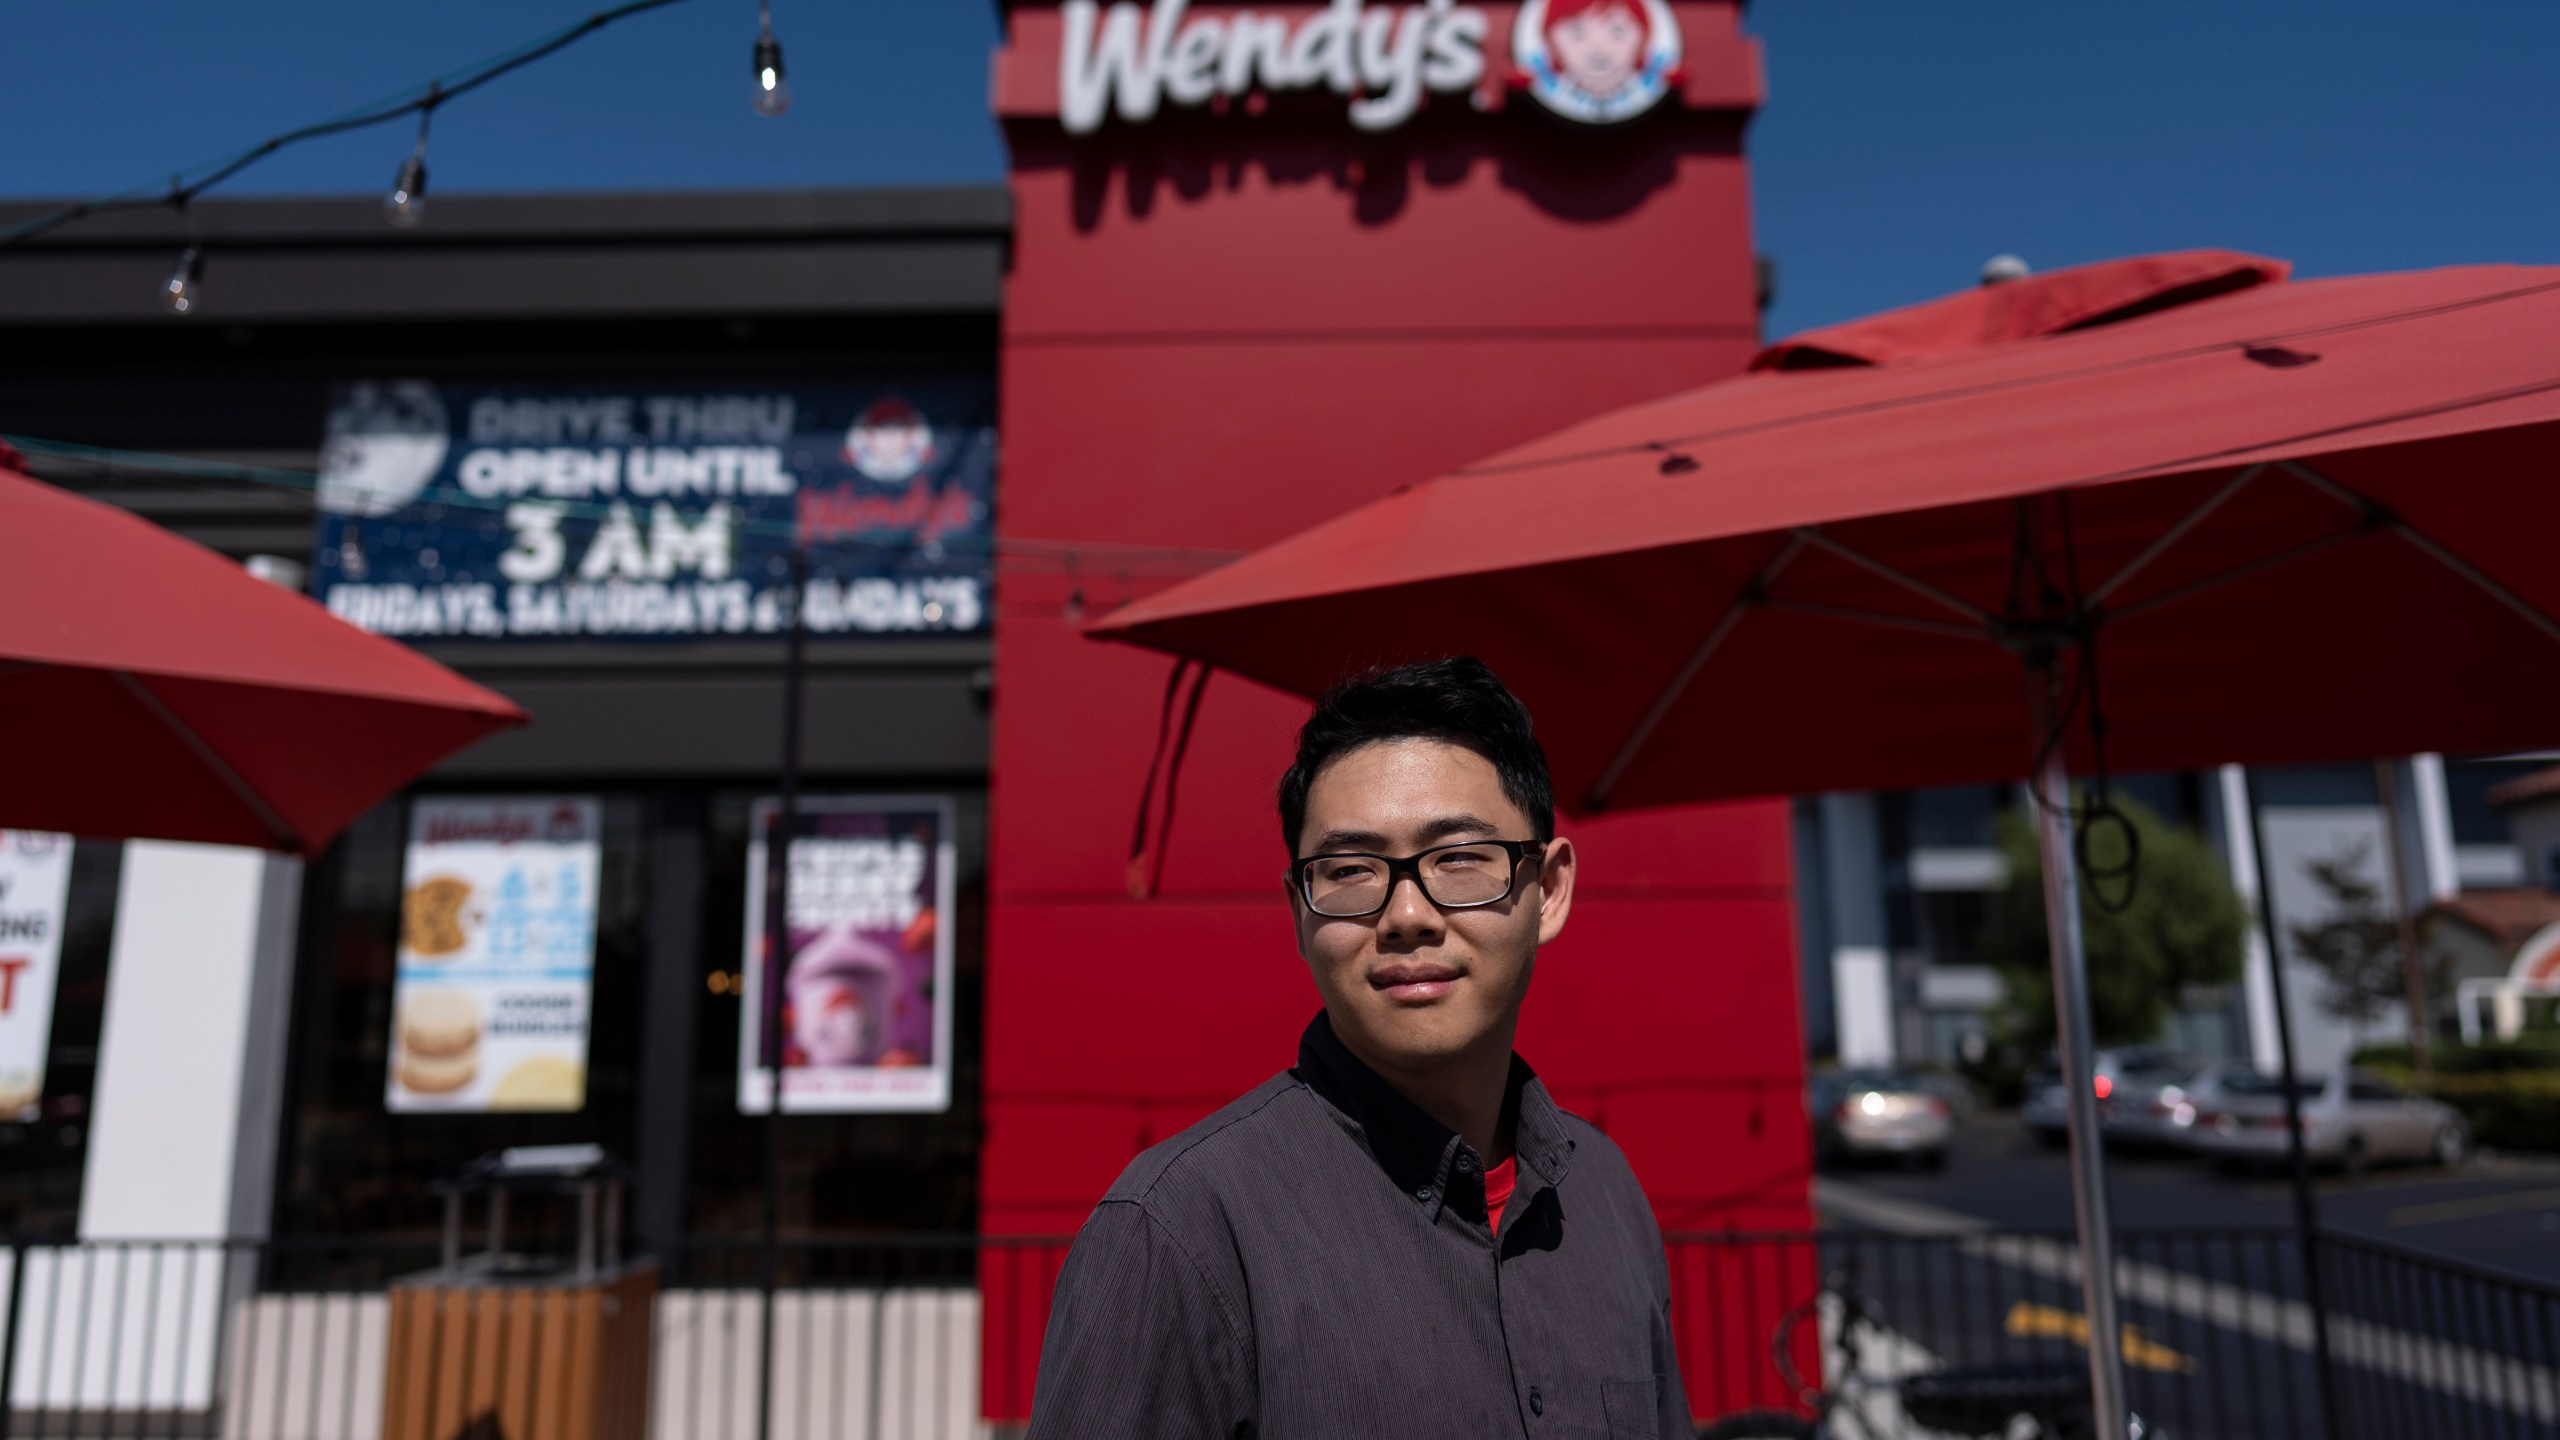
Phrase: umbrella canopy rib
(1598, 795)
(2260, 566)
(2194, 517)
(1812, 535)
(2429, 546)
(286, 839)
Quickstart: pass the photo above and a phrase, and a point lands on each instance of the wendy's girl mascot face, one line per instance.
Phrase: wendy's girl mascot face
(1597, 60)
(1598, 45)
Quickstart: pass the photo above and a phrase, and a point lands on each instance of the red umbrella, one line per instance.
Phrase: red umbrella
(151, 688)
(2353, 478)
(2289, 521)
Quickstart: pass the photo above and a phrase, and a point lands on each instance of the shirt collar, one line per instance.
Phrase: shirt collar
(1416, 1151)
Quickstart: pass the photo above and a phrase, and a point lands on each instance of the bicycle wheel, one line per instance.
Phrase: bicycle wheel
(1759, 1425)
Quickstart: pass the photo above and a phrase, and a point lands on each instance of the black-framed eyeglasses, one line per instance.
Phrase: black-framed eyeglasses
(1465, 875)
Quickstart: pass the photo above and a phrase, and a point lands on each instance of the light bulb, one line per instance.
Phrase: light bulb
(185, 285)
(406, 205)
(773, 93)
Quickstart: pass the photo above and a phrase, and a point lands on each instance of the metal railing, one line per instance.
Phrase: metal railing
(2217, 1339)
(921, 1336)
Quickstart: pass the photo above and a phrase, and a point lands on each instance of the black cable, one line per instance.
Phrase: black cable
(2064, 608)
(2101, 808)
(437, 92)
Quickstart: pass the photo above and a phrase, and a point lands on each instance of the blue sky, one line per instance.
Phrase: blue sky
(1904, 142)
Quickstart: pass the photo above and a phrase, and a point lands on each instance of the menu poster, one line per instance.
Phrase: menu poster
(497, 954)
(35, 882)
(866, 983)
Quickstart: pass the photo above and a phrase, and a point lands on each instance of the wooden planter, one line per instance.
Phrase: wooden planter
(480, 1359)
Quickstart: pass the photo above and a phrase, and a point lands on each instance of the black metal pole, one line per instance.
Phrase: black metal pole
(9, 1335)
(2306, 1217)
(777, 940)
(2076, 1044)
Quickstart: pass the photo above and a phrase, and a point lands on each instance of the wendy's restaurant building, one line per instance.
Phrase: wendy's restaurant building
(1251, 267)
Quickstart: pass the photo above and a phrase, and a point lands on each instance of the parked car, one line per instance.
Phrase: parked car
(2350, 1119)
(2044, 1114)
(2156, 1109)
(1872, 1114)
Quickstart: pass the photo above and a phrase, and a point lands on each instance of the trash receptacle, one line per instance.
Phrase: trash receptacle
(519, 1344)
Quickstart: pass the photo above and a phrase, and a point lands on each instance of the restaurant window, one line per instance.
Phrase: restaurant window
(43, 1154)
(350, 1166)
(841, 1172)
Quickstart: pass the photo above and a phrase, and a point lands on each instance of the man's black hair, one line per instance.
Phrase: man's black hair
(1458, 700)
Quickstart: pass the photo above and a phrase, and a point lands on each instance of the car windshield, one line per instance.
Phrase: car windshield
(2270, 1086)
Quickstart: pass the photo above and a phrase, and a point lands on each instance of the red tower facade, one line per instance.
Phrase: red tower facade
(1244, 297)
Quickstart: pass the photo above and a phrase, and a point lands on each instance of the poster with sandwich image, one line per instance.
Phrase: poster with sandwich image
(35, 884)
(866, 972)
(497, 954)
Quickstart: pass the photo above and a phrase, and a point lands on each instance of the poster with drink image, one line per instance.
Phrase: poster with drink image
(497, 954)
(35, 886)
(865, 1019)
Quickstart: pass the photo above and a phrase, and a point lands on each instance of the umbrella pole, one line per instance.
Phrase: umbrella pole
(2306, 1214)
(2071, 1012)
(777, 942)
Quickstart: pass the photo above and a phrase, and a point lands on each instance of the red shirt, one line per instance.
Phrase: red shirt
(1497, 1192)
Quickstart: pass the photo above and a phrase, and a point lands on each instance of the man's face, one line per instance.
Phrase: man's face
(1598, 49)
(1414, 987)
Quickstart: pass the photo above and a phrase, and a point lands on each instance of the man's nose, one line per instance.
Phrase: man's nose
(1409, 912)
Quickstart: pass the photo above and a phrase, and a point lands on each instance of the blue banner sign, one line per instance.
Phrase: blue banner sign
(456, 511)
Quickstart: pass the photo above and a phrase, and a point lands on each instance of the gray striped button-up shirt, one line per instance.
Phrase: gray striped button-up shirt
(1312, 1263)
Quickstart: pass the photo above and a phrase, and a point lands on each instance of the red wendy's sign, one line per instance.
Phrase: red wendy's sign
(1594, 62)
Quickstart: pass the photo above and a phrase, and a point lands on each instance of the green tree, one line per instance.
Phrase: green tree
(2358, 943)
(2180, 926)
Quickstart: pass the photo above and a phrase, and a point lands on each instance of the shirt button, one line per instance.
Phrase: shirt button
(1466, 1164)
(1423, 1194)
(1537, 1402)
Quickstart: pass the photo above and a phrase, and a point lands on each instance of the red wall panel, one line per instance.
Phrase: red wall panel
(1220, 329)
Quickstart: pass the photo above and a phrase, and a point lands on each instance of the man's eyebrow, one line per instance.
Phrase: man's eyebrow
(1448, 825)
(1370, 841)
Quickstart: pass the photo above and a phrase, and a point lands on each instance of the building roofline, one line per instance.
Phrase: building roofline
(555, 256)
(958, 211)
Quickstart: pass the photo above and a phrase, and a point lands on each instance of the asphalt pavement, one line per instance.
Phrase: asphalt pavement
(2497, 1211)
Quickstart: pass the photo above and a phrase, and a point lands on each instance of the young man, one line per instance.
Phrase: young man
(1403, 1236)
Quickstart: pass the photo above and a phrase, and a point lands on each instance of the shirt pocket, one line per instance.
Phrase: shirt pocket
(1633, 1408)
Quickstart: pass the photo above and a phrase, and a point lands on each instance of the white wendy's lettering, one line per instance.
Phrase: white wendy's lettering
(1132, 57)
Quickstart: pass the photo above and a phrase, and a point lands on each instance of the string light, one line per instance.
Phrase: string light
(772, 92)
(406, 205)
(185, 285)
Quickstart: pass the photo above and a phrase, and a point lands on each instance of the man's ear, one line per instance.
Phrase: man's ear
(1556, 869)
(1297, 913)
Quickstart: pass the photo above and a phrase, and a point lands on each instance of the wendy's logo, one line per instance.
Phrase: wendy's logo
(890, 441)
(1597, 61)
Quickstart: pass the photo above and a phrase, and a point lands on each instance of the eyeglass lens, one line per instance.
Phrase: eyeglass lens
(1459, 876)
